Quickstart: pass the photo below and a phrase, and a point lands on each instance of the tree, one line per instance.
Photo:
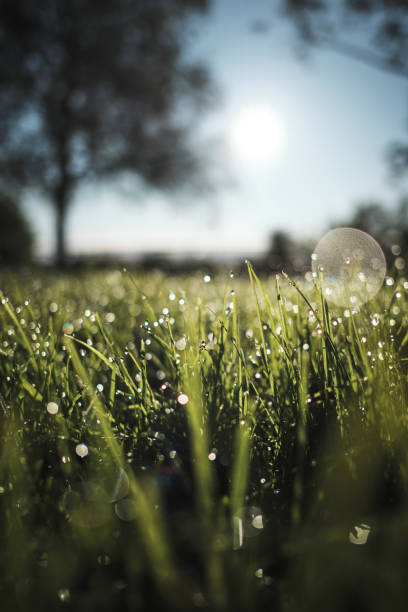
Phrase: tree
(280, 252)
(389, 226)
(379, 26)
(90, 90)
(384, 24)
(16, 239)
(287, 254)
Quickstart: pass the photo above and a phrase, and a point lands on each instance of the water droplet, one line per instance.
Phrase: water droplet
(257, 522)
(181, 344)
(63, 594)
(68, 328)
(81, 450)
(252, 520)
(360, 534)
(52, 408)
(182, 399)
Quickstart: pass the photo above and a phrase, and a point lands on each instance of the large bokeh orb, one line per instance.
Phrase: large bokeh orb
(350, 266)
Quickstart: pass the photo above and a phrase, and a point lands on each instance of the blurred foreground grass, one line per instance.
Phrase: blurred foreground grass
(195, 443)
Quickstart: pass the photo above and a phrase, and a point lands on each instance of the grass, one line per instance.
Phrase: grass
(222, 445)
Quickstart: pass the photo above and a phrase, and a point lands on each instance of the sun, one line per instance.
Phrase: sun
(256, 135)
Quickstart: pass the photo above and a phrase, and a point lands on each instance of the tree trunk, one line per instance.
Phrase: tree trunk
(61, 205)
(60, 247)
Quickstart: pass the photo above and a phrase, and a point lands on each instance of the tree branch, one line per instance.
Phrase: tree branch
(362, 54)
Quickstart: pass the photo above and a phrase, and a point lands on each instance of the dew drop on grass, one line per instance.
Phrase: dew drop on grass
(63, 595)
(257, 522)
(181, 344)
(52, 408)
(68, 328)
(182, 399)
(252, 520)
(351, 266)
(81, 450)
(359, 534)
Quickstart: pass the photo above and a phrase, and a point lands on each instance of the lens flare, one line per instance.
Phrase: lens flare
(349, 265)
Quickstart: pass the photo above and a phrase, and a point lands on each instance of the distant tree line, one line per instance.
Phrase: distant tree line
(389, 226)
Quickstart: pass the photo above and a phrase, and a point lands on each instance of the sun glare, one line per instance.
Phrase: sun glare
(257, 135)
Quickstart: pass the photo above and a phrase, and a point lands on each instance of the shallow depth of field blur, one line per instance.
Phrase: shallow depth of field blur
(199, 442)
(203, 305)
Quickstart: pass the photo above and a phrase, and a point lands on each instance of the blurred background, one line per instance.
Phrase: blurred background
(193, 134)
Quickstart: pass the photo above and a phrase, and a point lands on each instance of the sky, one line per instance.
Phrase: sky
(337, 118)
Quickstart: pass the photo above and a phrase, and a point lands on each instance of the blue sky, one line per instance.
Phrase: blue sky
(339, 116)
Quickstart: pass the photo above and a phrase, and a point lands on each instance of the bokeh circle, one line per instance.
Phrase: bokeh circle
(349, 265)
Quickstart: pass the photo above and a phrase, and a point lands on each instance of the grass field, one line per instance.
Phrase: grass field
(201, 443)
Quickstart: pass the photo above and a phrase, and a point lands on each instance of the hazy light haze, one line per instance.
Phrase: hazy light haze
(338, 117)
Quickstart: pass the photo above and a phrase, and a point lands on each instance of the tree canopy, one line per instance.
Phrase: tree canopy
(91, 89)
(16, 239)
(381, 26)
(374, 32)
